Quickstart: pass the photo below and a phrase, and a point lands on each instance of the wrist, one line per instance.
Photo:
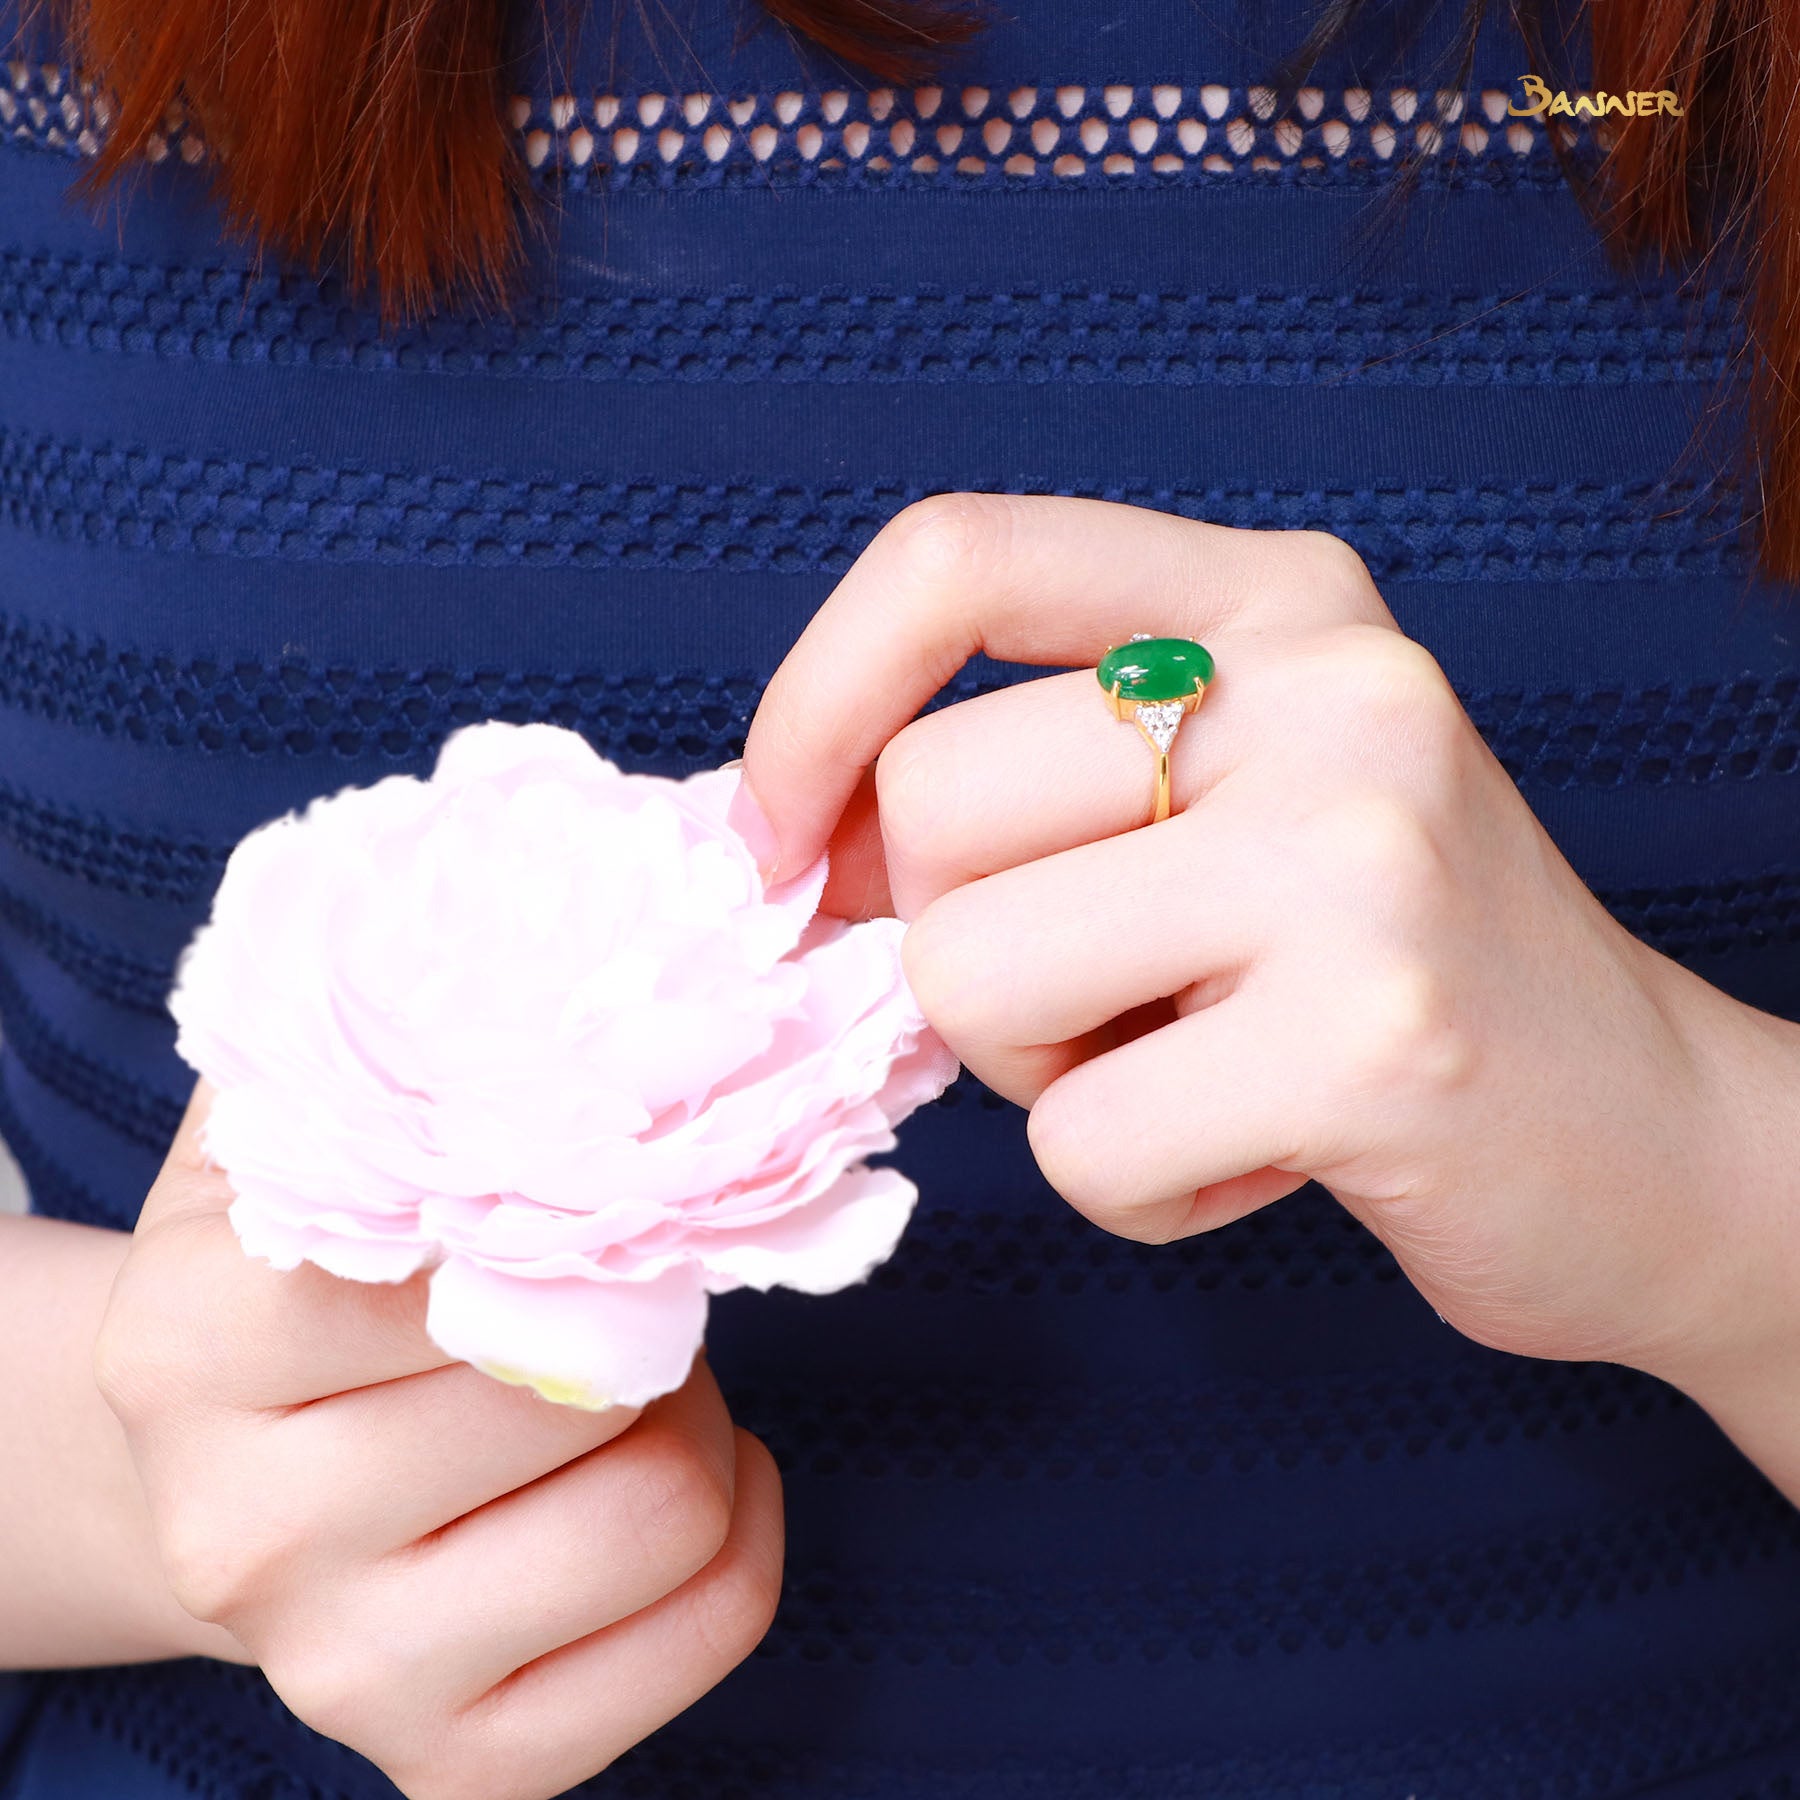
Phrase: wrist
(1731, 1339)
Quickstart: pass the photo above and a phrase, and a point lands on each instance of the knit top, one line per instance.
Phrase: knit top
(1235, 1517)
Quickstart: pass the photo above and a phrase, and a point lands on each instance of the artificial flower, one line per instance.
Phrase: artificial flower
(538, 1025)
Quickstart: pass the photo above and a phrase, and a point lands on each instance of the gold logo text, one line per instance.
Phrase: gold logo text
(1640, 103)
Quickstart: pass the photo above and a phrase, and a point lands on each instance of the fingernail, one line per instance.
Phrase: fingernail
(751, 823)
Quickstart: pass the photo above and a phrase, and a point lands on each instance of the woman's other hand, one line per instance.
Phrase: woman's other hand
(1353, 954)
(487, 1595)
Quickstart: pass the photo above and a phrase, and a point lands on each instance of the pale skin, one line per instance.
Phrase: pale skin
(1352, 955)
(489, 1596)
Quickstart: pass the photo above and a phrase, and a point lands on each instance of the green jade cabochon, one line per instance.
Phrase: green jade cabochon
(1158, 668)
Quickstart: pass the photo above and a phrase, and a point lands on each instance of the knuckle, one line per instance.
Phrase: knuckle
(331, 1689)
(219, 1561)
(946, 536)
(118, 1365)
(1403, 702)
(1388, 669)
(915, 788)
(1075, 1153)
(681, 1506)
(945, 977)
(1378, 846)
(208, 1575)
(140, 1354)
(1329, 556)
(1407, 1034)
(735, 1607)
(1067, 1149)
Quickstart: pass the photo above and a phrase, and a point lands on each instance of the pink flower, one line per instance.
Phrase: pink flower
(536, 1024)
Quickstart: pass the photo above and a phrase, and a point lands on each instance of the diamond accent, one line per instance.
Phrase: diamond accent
(1160, 721)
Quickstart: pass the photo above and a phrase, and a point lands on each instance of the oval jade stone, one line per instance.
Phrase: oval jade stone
(1156, 668)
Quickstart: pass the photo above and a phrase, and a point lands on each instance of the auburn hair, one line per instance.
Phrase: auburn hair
(372, 134)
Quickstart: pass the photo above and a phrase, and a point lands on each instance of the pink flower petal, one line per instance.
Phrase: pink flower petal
(837, 1240)
(581, 1343)
(537, 1024)
(339, 1245)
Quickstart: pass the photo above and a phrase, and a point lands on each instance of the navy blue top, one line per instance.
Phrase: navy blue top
(1069, 1516)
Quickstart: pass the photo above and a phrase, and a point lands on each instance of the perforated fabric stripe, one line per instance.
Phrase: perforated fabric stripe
(1564, 338)
(108, 1094)
(1591, 1750)
(207, 1754)
(1059, 132)
(978, 1430)
(1749, 908)
(1049, 132)
(143, 499)
(144, 865)
(128, 981)
(1610, 737)
(54, 1192)
(1606, 1751)
(1309, 1239)
(1712, 919)
(1569, 737)
(1731, 1523)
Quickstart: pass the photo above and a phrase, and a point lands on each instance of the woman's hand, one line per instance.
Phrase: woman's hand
(1353, 954)
(485, 1594)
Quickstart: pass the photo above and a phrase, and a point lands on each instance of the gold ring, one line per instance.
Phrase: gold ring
(1155, 682)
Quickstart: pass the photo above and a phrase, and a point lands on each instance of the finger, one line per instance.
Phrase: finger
(1022, 773)
(266, 1337)
(567, 1715)
(572, 1552)
(413, 1454)
(1015, 969)
(1188, 1127)
(1027, 579)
